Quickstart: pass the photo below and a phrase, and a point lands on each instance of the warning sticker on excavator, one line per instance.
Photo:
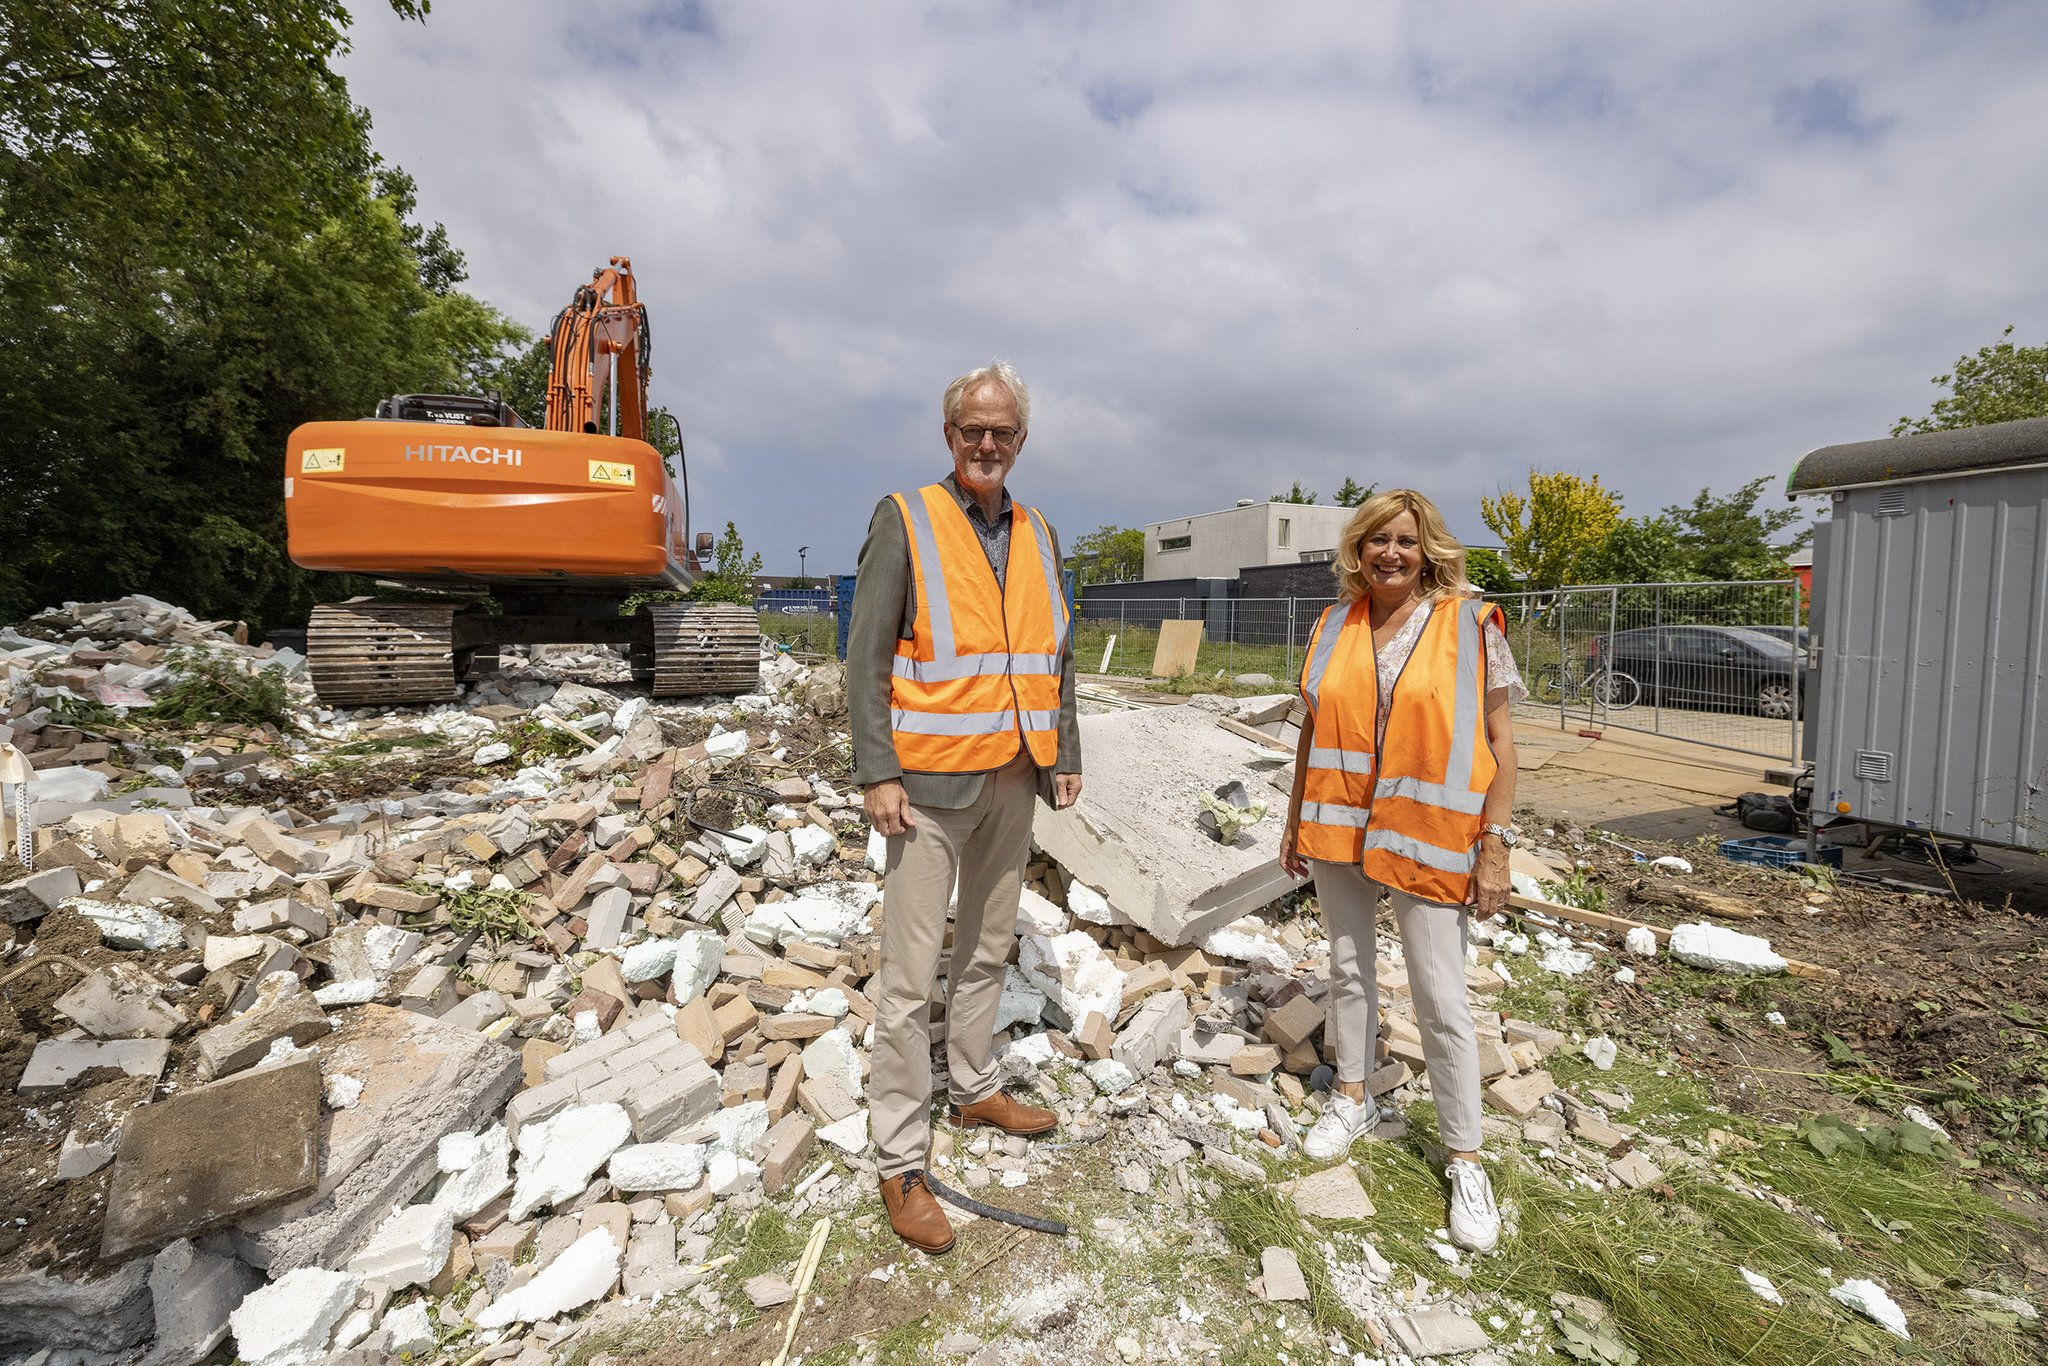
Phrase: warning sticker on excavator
(612, 472)
(322, 460)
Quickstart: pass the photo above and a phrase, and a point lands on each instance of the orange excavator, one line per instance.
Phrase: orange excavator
(527, 535)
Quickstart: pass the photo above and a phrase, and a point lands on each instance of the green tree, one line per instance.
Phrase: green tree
(198, 251)
(1726, 538)
(1108, 554)
(1489, 572)
(1998, 384)
(1295, 495)
(1548, 531)
(1637, 550)
(731, 578)
(1351, 493)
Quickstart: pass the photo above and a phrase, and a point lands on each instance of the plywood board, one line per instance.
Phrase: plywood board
(1682, 777)
(1179, 643)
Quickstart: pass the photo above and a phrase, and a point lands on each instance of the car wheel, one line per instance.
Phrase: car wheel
(1777, 699)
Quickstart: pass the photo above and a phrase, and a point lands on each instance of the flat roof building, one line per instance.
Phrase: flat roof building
(1215, 545)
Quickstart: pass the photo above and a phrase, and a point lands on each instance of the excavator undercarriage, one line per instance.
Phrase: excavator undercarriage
(373, 652)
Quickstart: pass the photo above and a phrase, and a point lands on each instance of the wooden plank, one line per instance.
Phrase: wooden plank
(1257, 737)
(1599, 921)
(1179, 643)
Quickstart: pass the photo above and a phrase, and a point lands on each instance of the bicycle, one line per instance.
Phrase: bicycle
(1572, 681)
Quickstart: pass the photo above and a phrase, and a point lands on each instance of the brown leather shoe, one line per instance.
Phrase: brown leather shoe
(915, 1214)
(1001, 1112)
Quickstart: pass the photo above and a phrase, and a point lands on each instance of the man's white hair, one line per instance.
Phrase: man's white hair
(998, 372)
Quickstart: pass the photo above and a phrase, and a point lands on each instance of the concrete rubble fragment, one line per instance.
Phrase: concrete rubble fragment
(1719, 949)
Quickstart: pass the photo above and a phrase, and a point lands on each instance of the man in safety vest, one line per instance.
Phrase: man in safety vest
(960, 681)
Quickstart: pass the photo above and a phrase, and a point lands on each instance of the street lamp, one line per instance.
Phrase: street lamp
(802, 577)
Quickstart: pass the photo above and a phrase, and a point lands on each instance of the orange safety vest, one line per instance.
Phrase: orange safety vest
(1412, 816)
(983, 660)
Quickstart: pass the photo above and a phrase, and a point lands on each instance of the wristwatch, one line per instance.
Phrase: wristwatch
(1505, 832)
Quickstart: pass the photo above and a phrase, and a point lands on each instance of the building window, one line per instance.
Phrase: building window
(1175, 542)
(1283, 530)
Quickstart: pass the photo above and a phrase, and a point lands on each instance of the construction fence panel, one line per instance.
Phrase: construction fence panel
(1240, 636)
(807, 630)
(1720, 664)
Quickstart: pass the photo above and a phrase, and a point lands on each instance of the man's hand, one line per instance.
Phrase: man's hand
(1066, 790)
(1291, 861)
(888, 807)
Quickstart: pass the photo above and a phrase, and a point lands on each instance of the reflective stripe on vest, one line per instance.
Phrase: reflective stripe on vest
(1423, 798)
(983, 663)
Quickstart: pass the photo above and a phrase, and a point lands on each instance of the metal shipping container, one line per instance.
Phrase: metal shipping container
(1930, 633)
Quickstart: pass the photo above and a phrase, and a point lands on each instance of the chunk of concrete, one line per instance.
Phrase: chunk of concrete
(831, 1055)
(1149, 1038)
(1437, 1333)
(282, 1011)
(1719, 949)
(558, 1155)
(658, 1166)
(1282, 1272)
(35, 896)
(206, 1157)
(103, 1314)
(409, 1248)
(1133, 833)
(193, 1293)
(1333, 1193)
(584, 1273)
(120, 1000)
(421, 1080)
(289, 1321)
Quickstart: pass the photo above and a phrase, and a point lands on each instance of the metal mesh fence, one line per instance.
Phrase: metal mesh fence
(803, 628)
(1720, 664)
(1717, 663)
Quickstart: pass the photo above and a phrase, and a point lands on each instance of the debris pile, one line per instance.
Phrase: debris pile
(438, 1055)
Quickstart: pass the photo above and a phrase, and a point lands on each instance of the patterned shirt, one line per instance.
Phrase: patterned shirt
(1501, 673)
(995, 539)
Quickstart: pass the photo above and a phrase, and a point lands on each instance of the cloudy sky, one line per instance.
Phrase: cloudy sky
(1231, 245)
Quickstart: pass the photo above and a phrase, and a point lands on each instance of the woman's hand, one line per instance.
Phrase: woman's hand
(1291, 861)
(1489, 891)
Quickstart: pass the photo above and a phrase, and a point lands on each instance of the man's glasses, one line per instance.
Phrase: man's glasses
(1005, 437)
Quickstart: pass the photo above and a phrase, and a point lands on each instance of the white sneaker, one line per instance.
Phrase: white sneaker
(1475, 1222)
(1343, 1120)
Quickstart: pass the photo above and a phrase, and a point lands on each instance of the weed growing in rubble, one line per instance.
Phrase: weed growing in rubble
(82, 713)
(534, 741)
(210, 689)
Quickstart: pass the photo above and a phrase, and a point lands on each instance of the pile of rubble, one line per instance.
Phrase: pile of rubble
(445, 1066)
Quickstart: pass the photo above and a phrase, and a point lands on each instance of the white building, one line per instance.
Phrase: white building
(1215, 545)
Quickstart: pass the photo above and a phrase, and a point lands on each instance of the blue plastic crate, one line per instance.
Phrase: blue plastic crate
(1777, 851)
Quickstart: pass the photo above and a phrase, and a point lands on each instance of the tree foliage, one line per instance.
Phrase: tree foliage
(1726, 538)
(1998, 384)
(1489, 572)
(1636, 550)
(198, 251)
(1108, 554)
(1295, 495)
(1549, 530)
(1351, 493)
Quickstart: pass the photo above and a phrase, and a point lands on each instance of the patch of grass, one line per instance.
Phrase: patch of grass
(533, 740)
(638, 1338)
(384, 745)
(1254, 1219)
(1187, 685)
(212, 689)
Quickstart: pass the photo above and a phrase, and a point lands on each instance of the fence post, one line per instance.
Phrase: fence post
(1657, 660)
(1607, 654)
(1290, 638)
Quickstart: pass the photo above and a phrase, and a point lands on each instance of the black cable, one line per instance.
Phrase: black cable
(1001, 1216)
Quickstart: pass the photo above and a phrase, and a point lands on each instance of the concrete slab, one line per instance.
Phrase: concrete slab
(1133, 833)
(107, 1314)
(422, 1080)
(214, 1154)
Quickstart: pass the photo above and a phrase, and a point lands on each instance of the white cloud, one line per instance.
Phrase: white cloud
(1435, 245)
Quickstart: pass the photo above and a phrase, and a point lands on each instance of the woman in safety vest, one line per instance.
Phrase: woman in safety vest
(1405, 780)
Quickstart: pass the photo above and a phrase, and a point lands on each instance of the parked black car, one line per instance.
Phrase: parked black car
(1795, 635)
(1719, 668)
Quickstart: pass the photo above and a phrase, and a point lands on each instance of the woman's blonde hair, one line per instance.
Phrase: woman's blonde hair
(1443, 559)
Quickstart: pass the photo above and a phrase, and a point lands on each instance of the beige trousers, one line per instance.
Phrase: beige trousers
(985, 844)
(1433, 943)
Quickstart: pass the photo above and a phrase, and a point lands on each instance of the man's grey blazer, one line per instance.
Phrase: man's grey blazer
(885, 611)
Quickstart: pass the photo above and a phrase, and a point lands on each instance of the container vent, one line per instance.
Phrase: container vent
(1891, 503)
(1874, 765)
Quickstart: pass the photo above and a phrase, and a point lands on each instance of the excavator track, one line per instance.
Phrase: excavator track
(382, 653)
(703, 648)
